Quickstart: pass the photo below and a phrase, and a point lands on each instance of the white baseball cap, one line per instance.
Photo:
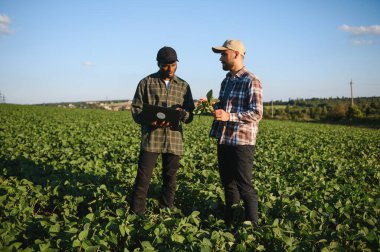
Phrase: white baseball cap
(231, 44)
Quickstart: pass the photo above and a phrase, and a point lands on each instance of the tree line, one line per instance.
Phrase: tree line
(363, 109)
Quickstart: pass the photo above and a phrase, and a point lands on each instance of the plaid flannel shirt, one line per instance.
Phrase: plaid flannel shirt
(152, 90)
(245, 106)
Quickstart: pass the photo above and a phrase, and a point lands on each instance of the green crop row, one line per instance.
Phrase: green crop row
(67, 176)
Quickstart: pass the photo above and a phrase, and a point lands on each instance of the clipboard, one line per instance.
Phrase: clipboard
(151, 113)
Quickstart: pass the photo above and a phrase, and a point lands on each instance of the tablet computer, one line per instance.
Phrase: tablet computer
(151, 113)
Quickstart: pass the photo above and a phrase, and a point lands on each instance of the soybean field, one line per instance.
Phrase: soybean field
(67, 176)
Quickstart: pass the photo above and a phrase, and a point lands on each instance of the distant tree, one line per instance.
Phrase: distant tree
(267, 112)
(287, 109)
(338, 112)
(312, 112)
(280, 113)
(300, 102)
(337, 108)
(353, 113)
(315, 112)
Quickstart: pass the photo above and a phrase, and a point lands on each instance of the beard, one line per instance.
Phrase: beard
(166, 74)
(226, 66)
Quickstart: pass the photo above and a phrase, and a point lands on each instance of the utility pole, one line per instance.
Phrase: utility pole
(352, 98)
(272, 108)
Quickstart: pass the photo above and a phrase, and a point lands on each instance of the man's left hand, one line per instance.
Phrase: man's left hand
(182, 113)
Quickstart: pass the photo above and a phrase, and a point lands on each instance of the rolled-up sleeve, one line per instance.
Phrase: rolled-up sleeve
(255, 106)
(137, 102)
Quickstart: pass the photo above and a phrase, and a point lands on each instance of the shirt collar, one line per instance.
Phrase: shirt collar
(174, 79)
(239, 74)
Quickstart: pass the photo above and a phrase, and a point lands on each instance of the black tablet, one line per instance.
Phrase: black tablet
(151, 113)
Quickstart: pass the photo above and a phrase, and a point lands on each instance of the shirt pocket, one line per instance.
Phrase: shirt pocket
(156, 95)
(175, 98)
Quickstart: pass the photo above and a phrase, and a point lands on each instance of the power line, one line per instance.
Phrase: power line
(364, 83)
(368, 84)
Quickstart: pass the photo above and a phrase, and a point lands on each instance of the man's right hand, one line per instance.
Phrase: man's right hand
(221, 115)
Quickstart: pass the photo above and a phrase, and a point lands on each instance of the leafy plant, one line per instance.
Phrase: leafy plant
(205, 106)
(67, 176)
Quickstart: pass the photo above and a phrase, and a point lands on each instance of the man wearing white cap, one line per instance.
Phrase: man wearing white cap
(235, 126)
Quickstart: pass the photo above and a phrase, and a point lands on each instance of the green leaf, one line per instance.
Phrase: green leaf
(55, 191)
(90, 217)
(277, 232)
(44, 246)
(241, 247)
(260, 248)
(122, 229)
(209, 96)
(92, 249)
(371, 236)
(322, 241)
(178, 238)
(76, 243)
(195, 213)
(83, 235)
(247, 224)
(275, 223)
(304, 208)
(229, 236)
(55, 228)
(17, 245)
(72, 230)
(119, 212)
(147, 246)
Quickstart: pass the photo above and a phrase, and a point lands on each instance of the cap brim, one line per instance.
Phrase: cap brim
(219, 49)
(167, 61)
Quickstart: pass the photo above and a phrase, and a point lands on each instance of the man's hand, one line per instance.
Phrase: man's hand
(221, 115)
(162, 124)
(182, 113)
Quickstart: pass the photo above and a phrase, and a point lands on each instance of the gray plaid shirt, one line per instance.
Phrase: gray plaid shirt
(152, 90)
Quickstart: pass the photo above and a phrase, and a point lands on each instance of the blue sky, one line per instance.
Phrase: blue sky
(66, 51)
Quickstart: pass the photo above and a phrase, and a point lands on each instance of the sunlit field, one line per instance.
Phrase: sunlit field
(67, 177)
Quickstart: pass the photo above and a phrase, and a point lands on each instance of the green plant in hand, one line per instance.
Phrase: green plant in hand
(205, 105)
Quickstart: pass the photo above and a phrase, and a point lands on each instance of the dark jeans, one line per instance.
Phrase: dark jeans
(235, 168)
(147, 161)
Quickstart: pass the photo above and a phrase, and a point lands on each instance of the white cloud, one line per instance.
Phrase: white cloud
(361, 30)
(362, 42)
(88, 63)
(4, 25)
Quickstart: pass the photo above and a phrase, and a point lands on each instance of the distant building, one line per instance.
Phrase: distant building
(119, 106)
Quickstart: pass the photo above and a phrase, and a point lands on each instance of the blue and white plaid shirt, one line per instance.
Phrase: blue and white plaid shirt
(245, 105)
